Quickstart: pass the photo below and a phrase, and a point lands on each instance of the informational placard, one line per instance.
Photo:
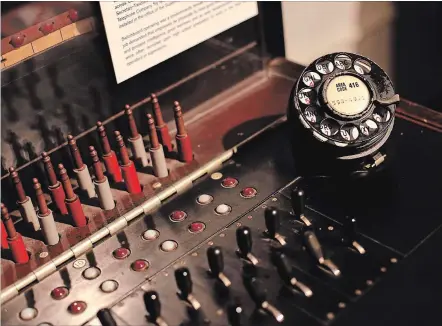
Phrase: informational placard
(145, 33)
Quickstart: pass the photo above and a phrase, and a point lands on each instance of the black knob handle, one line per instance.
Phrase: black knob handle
(183, 281)
(244, 239)
(271, 216)
(256, 290)
(349, 229)
(153, 304)
(298, 202)
(216, 260)
(106, 318)
(283, 266)
(235, 313)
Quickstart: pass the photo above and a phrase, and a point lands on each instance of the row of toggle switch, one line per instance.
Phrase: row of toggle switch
(252, 284)
(215, 261)
(347, 237)
(61, 190)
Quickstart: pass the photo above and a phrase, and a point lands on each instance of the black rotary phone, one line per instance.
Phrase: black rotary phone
(341, 113)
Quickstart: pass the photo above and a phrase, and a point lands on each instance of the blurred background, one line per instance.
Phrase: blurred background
(404, 38)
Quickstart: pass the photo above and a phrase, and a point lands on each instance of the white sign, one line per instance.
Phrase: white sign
(145, 33)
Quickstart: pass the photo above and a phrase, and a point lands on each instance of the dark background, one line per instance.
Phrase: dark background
(418, 52)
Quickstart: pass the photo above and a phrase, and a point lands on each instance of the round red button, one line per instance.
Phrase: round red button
(140, 265)
(248, 192)
(121, 253)
(229, 182)
(77, 307)
(178, 216)
(197, 227)
(17, 40)
(73, 15)
(59, 293)
(47, 28)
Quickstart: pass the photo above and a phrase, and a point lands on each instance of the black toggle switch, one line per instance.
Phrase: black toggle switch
(153, 307)
(153, 304)
(285, 272)
(244, 242)
(312, 243)
(106, 318)
(216, 264)
(244, 239)
(184, 283)
(350, 226)
(298, 201)
(235, 313)
(271, 215)
(349, 235)
(298, 205)
(258, 295)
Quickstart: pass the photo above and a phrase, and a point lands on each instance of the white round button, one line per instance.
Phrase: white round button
(204, 199)
(216, 175)
(169, 245)
(91, 273)
(150, 234)
(109, 286)
(28, 313)
(79, 263)
(223, 209)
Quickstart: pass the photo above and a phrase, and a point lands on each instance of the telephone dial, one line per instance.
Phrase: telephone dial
(341, 112)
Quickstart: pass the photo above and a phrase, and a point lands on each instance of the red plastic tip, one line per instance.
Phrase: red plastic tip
(17, 40)
(78, 161)
(17, 184)
(73, 15)
(9, 224)
(47, 28)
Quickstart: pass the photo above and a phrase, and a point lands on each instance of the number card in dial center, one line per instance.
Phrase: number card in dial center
(347, 95)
